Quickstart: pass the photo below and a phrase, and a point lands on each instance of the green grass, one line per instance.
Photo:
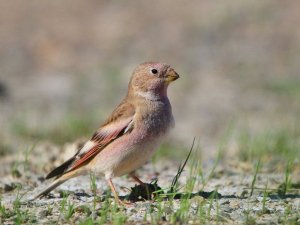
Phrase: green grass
(287, 184)
(272, 145)
(21, 167)
(5, 148)
(290, 87)
(255, 177)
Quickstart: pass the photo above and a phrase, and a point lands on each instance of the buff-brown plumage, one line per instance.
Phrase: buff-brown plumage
(130, 135)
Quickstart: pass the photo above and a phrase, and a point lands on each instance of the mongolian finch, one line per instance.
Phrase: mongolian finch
(130, 136)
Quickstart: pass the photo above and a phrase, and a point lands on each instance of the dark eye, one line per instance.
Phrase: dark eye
(154, 71)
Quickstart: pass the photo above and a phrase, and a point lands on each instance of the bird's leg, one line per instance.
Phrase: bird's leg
(112, 187)
(133, 176)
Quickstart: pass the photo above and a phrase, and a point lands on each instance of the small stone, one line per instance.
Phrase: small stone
(243, 194)
(234, 204)
(44, 213)
(227, 209)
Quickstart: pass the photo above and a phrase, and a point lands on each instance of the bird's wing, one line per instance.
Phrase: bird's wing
(118, 124)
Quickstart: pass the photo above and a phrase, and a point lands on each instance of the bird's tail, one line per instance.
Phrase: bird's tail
(55, 184)
(51, 187)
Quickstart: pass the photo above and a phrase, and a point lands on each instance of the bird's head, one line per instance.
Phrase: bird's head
(152, 79)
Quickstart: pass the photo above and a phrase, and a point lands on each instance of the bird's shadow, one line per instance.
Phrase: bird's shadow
(151, 191)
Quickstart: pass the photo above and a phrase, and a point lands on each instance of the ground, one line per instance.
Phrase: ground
(216, 193)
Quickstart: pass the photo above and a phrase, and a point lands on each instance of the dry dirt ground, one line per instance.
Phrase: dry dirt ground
(221, 195)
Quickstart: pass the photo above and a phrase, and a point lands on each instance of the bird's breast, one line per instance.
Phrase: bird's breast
(155, 118)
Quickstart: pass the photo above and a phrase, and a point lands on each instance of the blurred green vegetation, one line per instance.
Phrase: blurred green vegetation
(271, 146)
(71, 128)
(5, 148)
(288, 87)
(170, 151)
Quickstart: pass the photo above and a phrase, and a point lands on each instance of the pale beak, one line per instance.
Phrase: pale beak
(171, 75)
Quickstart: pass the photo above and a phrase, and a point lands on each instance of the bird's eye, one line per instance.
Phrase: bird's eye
(154, 71)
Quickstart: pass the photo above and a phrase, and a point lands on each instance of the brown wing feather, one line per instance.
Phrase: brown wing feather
(124, 110)
(114, 127)
(87, 156)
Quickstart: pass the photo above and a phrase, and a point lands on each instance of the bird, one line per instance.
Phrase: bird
(130, 135)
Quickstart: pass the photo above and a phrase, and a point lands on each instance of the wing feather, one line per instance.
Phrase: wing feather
(119, 123)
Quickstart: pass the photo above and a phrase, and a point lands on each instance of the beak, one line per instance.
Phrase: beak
(171, 75)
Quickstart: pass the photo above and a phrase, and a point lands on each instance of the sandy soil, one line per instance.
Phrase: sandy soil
(225, 198)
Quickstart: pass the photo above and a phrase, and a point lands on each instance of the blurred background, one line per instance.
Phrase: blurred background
(65, 65)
